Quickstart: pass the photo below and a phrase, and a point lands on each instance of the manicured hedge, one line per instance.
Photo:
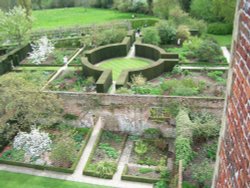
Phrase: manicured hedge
(56, 169)
(153, 52)
(104, 82)
(103, 77)
(106, 52)
(5, 65)
(136, 178)
(111, 51)
(144, 22)
(149, 72)
(73, 42)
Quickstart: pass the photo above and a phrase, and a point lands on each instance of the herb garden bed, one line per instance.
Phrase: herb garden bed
(73, 80)
(105, 155)
(77, 137)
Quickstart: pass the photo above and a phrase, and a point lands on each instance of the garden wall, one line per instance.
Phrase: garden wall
(79, 100)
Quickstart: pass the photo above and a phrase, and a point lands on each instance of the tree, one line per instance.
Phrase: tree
(151, 36)
(64, 152)
(22, 105)
(150, 6)
(225, 9)
(26, 4)
(161, 7)
(15, 25)
(203, 9)
(185, 4)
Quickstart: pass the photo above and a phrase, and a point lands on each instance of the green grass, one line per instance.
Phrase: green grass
(68, 17)
(223, 40)
(119, 64)
(15, 180)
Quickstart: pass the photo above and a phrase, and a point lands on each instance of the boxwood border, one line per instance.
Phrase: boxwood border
(51, 168)
(136, 178)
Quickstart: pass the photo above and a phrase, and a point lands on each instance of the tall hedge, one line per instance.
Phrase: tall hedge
(103, 77)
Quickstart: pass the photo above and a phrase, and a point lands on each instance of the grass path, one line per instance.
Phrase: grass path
(66, 17)
(15, 180)
(223, 40)
(119, 64)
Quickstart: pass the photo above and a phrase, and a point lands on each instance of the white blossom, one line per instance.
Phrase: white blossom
(34, 143)
(41, 50)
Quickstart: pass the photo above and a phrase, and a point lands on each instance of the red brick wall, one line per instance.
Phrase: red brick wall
(234, 152)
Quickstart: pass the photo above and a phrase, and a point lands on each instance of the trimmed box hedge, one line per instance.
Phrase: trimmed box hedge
(143, 22)
(52, 168)
(73, 42)
(136, 178)
(149, 72)
(103, 77)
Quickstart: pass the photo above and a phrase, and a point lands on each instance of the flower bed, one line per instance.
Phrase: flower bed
(105, 155)
(78, 138)
(182, 83)
(73, 80)
(55, 58)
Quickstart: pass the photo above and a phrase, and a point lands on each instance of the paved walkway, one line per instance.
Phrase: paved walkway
(226, 53)
(77, 175)
(207, 68)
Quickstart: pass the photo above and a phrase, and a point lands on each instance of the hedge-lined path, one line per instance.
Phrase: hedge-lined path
(226, 53)
(77, 175)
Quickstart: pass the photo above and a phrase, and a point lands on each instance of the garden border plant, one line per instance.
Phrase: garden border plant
(51, 168)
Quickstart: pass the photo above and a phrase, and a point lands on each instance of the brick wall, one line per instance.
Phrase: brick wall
(233, 161)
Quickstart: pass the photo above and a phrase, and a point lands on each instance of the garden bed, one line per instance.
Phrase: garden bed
(73, 80)
(181, 83)
(56, 58)
(105, 155)
(140, 174)
(156, 150)
(77, 137)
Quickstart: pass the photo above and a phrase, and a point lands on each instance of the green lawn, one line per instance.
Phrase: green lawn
(14, 180)
(223, 40)
(66, 17)
(119, 64)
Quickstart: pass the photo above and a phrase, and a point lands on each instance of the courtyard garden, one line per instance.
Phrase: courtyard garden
(138, 104)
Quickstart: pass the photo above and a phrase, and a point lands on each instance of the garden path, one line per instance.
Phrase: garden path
(65, 66)
(226, 53)
(200, 68)
(124, 160)
(77, 175)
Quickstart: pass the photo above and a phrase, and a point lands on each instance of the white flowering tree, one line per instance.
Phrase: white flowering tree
(41, 50)
(34, 143)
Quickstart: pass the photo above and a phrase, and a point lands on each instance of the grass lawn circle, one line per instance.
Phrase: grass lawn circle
(119, 64)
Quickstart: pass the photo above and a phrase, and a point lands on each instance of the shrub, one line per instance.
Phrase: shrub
(64, 151)
(178, 16)
(217, 76)
(146, 170)
(220, 28)
(193, 44)
(138, 80)
(34, 143)
(151, 36)
(211, 150)
(202, 173)
(183, 33)
(183, 150)
(140, 147)
(110, 151)
(167, 32)
(177, 70)
(161, 184)
(208, 51)
(152, 133)
(13, 155)
(103, 168)
(124, 90)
